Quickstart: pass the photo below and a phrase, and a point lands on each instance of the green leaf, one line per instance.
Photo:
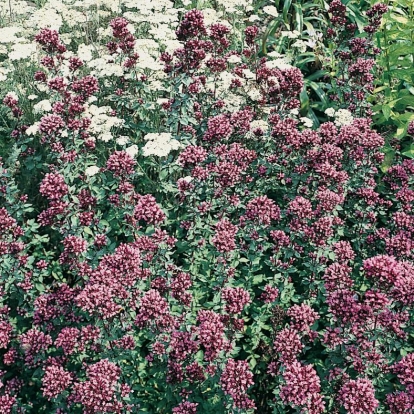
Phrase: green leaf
(87, 230)
(286, 7)
(298, 17)
(304, 102)
(386, 110)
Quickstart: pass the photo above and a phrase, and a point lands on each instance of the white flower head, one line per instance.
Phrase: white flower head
(307, 122)
(290, 34)
(106, 136)
(122, 140)
(330, 112)
(132, 150)
(254, 18)
(33, 129)
(159, 145)
(92, 170)
(263, 125)
(271, 11)
(300, 45)
(12, 95)
(343, 117)
(254, 94)
(234, 59)
(22, 51)
(248, 74)
(42, 106)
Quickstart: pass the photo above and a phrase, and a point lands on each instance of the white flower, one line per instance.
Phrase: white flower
(248, 74)
(33, 129)
(122, 140)
(234, 102)
(154, 136)
(281, 64)
(42, 106)
(159, 145)
(161, 101)
(92, 170)
(132, 150)
(254, 18)
(105, 137)
(234, 59)
(343, 117)
(271, 11)
(330, 112)
(295, 111)
(301, 45)
(188, 179)
(290, 34)
(307, 122)
(42, 87)
(22, 51)
(3, 73)
(311, 43)
(274, 54)
(12, 95)
(85, 52)
(254, 94)
(259, 124)
(8, 34)
(32, 97)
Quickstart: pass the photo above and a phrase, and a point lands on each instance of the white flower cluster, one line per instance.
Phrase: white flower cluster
(260, 123)
(271, 11)
(307, 122)
(122, 140)
(342, 116)
(33, 129)
(12, 95)
(102, 68)
(92, 170)
(300, 45)
(85, 52)
(46, 17)
(294, 34)
(102, 122)
(42, 106)
(279, 61)
(132, 150)
(330, 112)
(159, 145)
(22, 51)
(239, 7)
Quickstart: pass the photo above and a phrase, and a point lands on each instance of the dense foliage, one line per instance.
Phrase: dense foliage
(202, 210)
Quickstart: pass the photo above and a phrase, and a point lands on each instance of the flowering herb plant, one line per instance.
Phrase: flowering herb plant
(176, 238)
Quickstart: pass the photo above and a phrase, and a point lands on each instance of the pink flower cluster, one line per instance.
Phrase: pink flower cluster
(211, 334)
(55, 381)
(98, 393)
(53, 186)
(147, 209)
(302, 388)
(223, 239)
(236, 299)
(121, 164)
(263, 210)
(153, 309)
(358, 396)
(235, 380)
